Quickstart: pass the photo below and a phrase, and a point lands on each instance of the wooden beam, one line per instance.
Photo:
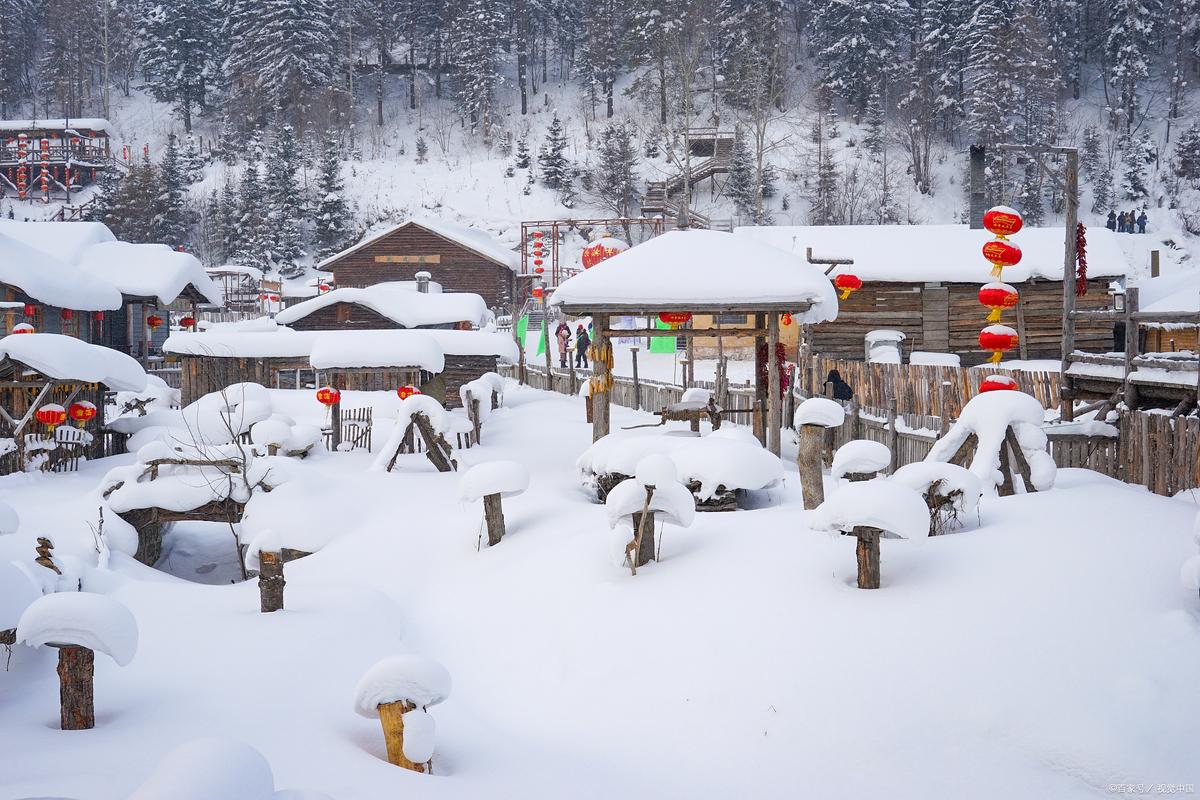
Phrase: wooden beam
(653, 309)
(773, 399)
(684, 333)
(601, 375)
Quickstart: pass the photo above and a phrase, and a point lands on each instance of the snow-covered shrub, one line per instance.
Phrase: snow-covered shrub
(950, 491)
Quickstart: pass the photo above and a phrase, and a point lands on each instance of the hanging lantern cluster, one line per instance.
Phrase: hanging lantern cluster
(51, 415)
(603, 248)
(537, 249)
(66, 314)
(405, 392)
(327, 395)
(847, 284)
(674, 319)
(82, 412)
(998, 296)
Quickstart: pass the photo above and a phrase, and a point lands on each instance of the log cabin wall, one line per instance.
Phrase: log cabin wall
(1169, 339)
(201, 375)
(463, 369)
(455, 267)
(344, 316)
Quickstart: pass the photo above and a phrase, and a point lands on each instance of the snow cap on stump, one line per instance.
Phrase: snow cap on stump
(82, 619)
(883, 504)
(820, 411)
(412, 679)
(671, 498)
(506, 478)
(861, 456)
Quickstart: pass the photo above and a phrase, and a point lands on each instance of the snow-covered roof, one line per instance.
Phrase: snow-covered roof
(59, 124)
(949, 253)
(354, 349)
(49, 280)
(1177, 291)
(399, 302)
(236, 269)
(477, 241)
(694, 269)
(476, 343)
(149, 270)
(66, 241)
(66, 358)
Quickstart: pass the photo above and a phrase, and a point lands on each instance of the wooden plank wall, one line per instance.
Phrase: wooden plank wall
(459, 270)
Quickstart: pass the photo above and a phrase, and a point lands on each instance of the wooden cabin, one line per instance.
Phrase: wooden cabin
(923, 280)
(1175, 292)
(461, 259)
(72, 153)
(240, 287)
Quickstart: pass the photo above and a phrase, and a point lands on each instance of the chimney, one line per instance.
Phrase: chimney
(423, 281)
(978, 190)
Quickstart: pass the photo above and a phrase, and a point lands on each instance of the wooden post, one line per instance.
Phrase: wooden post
(270, 581)
(808, 461)
(601, 375)
(759, 422)
(689, 371)
(76, 668)
(943, 415)
(643, 527)
(760, 391)
(637, 386)
(476, 420)
(893, 435)
(1131, 345)
(1154, 263)
(868, 556)
(391, 717)
(773, 396)
(493, 514)
(546, 347)
(789, 398)
(1066, 391)
(1022, 343)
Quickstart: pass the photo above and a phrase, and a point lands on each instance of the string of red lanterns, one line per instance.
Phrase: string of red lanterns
(603, 248)
(998, 296)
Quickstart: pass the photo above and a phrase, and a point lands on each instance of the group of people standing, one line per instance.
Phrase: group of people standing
(582, 341)
(1126, 220)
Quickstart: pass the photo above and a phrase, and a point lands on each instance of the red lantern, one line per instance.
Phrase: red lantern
(602, 249)
(786, 319)
(262, 297)
(274, 298)
(324, 287)
(998, 339)
(187, 322)
(82, 412)
(327, 395)
(1002, 254)
(98, 316)
(537, 262)
(674, 319)
(1002, 221)
(847, 284)
(67, 314)
(994, 383)
(997, 297)
(538, 291)
(538, 234)
(51, 415)
(23, 327)
(153, 321)
(30, 310)
(539, 270)
(405, 392)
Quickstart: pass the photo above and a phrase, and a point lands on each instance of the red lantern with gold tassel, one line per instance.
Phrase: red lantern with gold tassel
(847, 284)
(1002, 221)
(998, 339)
(997, 297)
(675, 319)
(82, 412)
(51, 415)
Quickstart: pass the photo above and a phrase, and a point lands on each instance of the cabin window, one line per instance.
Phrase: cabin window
(343, 313)
(730, 319)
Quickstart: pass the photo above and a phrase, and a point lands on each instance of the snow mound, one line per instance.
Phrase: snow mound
(1189, 574)
(207, 769)
(656, 470)
(505, 478)
(987, 416)
(620, 452)
(715, 461)
(696, 395)
(926, 358)
(820, 411)
(672, 500)
(860, 455)
(881, 503)
(9, 520)
(919, 476)
(414, 679)
(270, 432)
(17, 593)
(419, 734)
(286, 516)
(399, 302)
(89, 620)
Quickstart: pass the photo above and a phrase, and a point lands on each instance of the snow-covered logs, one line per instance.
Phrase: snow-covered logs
(490, 481)
(1001, 221)
(397, 691)
(860, 460)
(813, 417)
(868, 509)
(655, 488)
(426, 415)
(79, 623)
(1004, 429)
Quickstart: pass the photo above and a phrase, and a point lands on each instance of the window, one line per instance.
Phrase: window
(730, 319)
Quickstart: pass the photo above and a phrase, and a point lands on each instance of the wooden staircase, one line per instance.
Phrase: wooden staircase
(712, 152)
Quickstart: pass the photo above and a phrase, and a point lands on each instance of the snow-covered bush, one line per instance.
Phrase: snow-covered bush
(398, 691)
(950, 491)
(431, 421)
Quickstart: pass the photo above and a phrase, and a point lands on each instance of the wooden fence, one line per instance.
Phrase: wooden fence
(644, 395)
(356, 429)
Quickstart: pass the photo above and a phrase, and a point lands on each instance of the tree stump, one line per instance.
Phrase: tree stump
(868, 557)
(76, 668)
(493, 514)
(270, 581)
(391, 717)
(808, 461)
(642, 553)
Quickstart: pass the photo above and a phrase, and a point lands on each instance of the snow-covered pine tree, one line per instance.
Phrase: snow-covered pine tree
(1137, 152)
(552, 158)
(860, 45)
(1187, 155)
(422, 150)
(170, 222)
(749, 43)
(991, 91)
(191, 160)
(614, 181)
(604, 50)
(103, 196)
(930, 96)
(231, 217)
(253, 242)
(1029, 196)
(1089, 153)
(740, 186)
(476, 35)
(1129, 46)
(212, 233)
(521, 158)
(333, 212)
(284, 203)
(873, 138)
(177, 60)
(1102, 189)
(134, 206)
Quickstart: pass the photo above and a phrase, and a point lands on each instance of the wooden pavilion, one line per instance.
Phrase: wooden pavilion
(684, 274)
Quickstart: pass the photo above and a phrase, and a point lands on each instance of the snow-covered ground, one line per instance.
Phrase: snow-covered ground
(1047, 650)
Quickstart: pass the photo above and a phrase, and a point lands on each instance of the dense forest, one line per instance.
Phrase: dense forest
(280, 82)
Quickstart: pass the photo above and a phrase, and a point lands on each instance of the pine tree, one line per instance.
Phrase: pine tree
(552, 158)
(284, 203)
(604, 47)
(133, 208)
(873, 139)
(104, 195)
(1089, 154)
(253, 242)
(477, 31)
(1029, 197)
(521, 159)
(1136, 154)
(749, 45)
(230, 219)
(860, 44)
(991, 87)
(740, 186)
(333, 212)
(177, 59)
(615, 181)
(1102, 190)
(422, 150)
(1187, 155)
(191, 161)
(212, 235)
(1129, 45)
(170, 222)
